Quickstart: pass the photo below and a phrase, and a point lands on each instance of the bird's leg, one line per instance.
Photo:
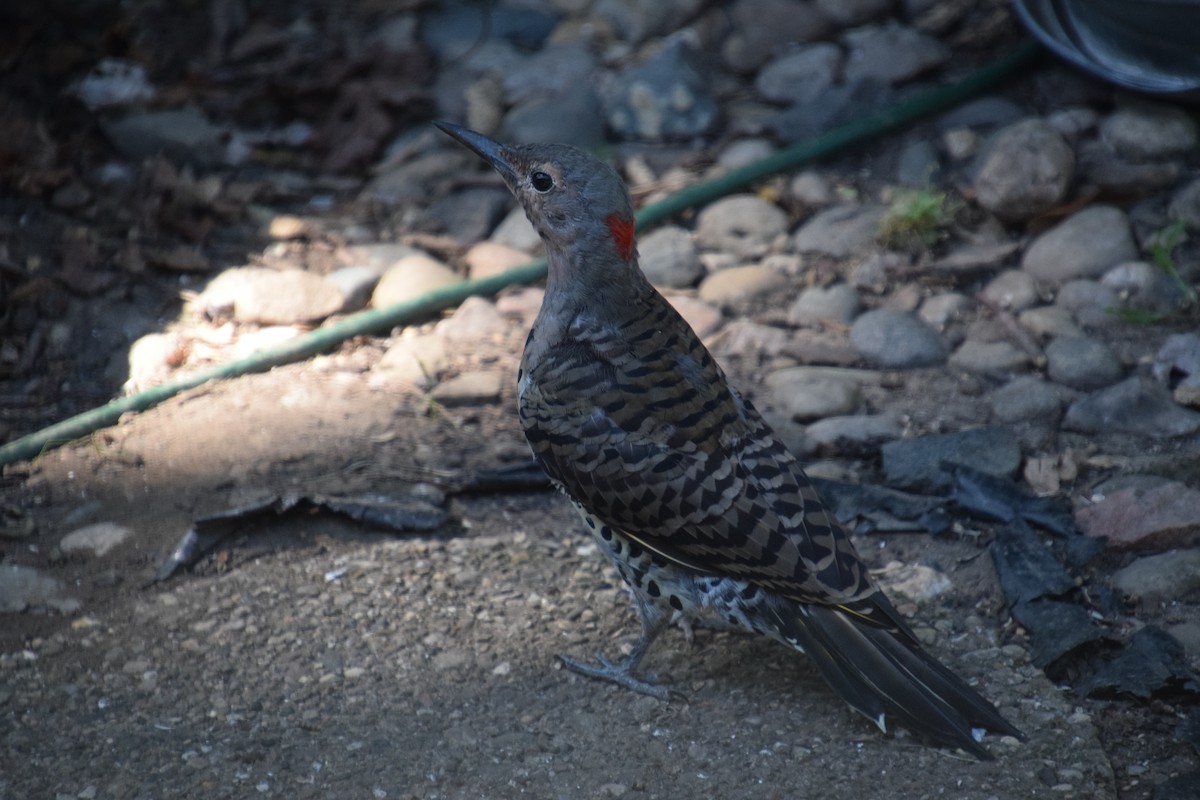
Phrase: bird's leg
(621, 673)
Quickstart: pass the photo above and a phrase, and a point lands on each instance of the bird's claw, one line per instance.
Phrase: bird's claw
(620, 674)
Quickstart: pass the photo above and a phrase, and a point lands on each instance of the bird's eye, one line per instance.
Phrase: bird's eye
(541, 182)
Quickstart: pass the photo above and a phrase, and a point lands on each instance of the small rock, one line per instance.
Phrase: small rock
(1136, 406)
(548, 71)
(1143, 286)
(665, 98)
(940, 310)
(762, 27)
(990, 357)
(1046, 322)
(668, 257)
(1185, 206)
(152, 358)
(184, 135)
(1082, 363)
(1024, 171)
(850, 13)
(919, 165)
(746, 339)
(738, 288)
(355, 285)
(1160, 578)
(917, 582)
(854, 434)
(1084, 245)
(377, 256)
(1150, 517)
(741, 224)
(520, 302)
(96, 540)
(961, 144)
(1098, 164)
(700, 316)
(742, 153)
(475, 320)
(573, 116)
(1012, 289)
(1179, 353)
(917, 463)
(414, 361)
(271, 297)
(470, 388)
(840, 231)
(837, 106)
(800, 76)
(1144, 131)
(635, 21)
(1026, 398)
(470, 214)
(485, 259)
(811, 189)
(1072, 123)
(891, 53)
(805, 394)
(1089, 302)
(837, 303)
(23, 587)
(890, 338)
(410, 278)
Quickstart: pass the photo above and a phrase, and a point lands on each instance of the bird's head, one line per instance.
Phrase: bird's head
(574, 200)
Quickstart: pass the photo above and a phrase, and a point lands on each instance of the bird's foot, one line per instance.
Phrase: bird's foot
(620, 674)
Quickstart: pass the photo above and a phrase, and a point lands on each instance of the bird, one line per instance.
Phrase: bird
(705, 514)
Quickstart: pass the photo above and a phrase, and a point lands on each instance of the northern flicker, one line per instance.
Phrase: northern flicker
(704, 513)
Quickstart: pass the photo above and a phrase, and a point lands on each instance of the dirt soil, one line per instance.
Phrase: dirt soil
(314, 656)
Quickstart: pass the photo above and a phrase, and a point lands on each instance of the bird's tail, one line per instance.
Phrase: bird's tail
(882, 672)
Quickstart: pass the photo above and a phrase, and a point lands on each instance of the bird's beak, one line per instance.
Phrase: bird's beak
(490, 151)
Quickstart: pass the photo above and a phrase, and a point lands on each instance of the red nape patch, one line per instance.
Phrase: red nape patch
(621, 229)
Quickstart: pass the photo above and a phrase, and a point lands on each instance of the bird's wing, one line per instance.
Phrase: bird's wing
(638, 424)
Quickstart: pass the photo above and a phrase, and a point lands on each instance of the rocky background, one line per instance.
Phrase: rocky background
(1008, 286)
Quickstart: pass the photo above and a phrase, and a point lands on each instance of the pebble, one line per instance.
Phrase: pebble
(1156, 517)
(669, 258)
(849, 13)
(891, 338)
(414, 360)
(917, 582)
(1185, 206)
(377, 256)
(805, 394)
(151, 359)
(470, 388)
(1082, 363)
(270, 297)
(854, 434)
(667, 97)
(635, 22)
(839, 105)
(1143, 286)
(1024, 170)
(1137, 406)
(890, 53)
(940, 310)
(742, 224)
(919, 165)
(1011, 290)
(1046, 322)
(747, 339)
(817, 304)
(1143, 131)
(1089, 302)
(1099, 165)
(800, 76)
(1160, 578)
(811, 189)
(1084, 245)
(24, 588)
(840, 231)
(183, 135)
(451, 31)
(520, 302)
(738, 288)
(762, 28)
(743, 152)
(1180, 355)
(96, 540)
(1026, 398)
(548, 71)
(974, 355)
(470, 214)
(488, 258)
(475, 320)
(355, 283)
(574, 116)
(917, 463)
(410, 278)
(702, 317)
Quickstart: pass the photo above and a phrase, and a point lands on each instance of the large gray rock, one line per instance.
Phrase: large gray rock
(889, 338)
(1082, 363)
(1025, 170)
(1136, 406)
(741, 224)
(923, 463)
(1085, 245)
(840, 231)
